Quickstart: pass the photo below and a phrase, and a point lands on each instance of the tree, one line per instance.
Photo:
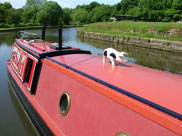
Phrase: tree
(160, 10)
(13, 17)
(32, 7)
(132, 11)
(30, 15)
(80, 16)
(67, 16)
(101, 13)
(168, 15)
(148, 9)
(115, 10)
(4, 7)
(128, 4)
(118, 6)
(50, 13)
(91, 6)
(167, 4)
(177, 5)
(32, 3)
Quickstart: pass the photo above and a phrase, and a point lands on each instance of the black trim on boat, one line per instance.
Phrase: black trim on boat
(39, 124)
(36, 75)
(51, 53)
(63, 52)
(129, 94)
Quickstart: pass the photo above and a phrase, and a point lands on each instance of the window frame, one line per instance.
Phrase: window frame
(32, 72)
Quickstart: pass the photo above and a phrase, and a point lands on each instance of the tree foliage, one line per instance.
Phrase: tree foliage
(13, 17)
(160, 10)
(67, 16)
(4, 7)
(80, 16)
(91, 6)
(100, 13)
(30, 14)
(33, 3)
(126, 5)
(50, 13)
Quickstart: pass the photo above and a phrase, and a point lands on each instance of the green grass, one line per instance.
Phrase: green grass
(130, 28)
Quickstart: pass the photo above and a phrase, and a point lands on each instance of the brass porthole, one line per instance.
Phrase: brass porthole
(64, 103)
(122, 134)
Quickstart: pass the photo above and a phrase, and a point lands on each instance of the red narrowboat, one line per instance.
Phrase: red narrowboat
(68, 91)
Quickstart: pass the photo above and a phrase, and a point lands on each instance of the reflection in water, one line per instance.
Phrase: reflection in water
(31, 131)
(168, 61)
(7, 38)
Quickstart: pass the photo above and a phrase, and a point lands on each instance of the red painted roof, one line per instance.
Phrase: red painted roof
(161, 88)
(38, 45)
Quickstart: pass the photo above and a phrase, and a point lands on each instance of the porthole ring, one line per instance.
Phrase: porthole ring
(64, 103)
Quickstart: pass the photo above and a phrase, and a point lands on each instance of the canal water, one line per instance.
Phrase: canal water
(12, 117)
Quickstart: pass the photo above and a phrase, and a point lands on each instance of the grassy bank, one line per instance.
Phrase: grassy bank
(156, 30)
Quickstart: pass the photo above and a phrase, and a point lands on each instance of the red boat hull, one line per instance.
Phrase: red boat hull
(98, 104)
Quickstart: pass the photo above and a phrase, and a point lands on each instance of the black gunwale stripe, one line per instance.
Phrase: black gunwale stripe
(38, 122)
(129, 94)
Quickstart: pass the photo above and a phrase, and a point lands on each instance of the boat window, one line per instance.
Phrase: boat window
(28, 70)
